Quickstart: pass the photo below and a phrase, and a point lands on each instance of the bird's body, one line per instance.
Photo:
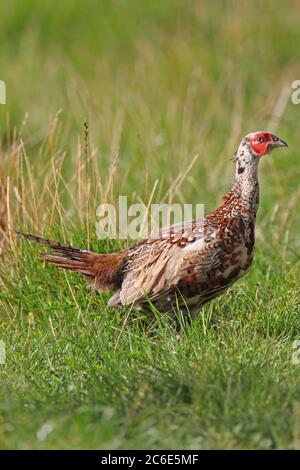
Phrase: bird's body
(183, 266)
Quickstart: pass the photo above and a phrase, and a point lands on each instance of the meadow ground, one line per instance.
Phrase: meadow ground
(158, 83)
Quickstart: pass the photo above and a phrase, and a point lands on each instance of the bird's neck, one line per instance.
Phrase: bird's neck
(243, 197)
(246, 180)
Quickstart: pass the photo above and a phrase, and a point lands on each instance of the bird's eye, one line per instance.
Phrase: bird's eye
(275, 139)
(260, 139)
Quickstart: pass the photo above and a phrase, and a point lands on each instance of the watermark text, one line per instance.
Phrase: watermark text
(2, 92)
(295, 97)
(139, 221)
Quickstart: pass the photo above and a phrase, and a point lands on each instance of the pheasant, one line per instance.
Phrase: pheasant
(182, 267)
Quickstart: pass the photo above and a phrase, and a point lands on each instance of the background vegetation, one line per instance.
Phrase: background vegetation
(118, 97)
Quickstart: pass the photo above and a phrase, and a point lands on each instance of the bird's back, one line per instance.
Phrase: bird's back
(188, 264)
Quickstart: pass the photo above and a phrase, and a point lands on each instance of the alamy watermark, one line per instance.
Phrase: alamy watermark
(139, 221)
(295, 97)
(296, 354)
(2, 353)
(2, 92)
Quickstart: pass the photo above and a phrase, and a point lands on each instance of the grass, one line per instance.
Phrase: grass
(156, 86)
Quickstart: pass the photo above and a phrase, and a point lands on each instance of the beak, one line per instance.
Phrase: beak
(278, 143)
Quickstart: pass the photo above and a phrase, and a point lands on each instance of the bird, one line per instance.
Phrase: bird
(182, 267)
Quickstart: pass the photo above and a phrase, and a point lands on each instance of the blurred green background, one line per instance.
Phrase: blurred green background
(158, 82)
(162, 80)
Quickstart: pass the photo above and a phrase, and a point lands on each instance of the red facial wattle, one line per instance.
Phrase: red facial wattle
(261, 148)
(261, 142)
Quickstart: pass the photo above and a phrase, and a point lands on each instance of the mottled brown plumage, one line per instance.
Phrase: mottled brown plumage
(183, 266)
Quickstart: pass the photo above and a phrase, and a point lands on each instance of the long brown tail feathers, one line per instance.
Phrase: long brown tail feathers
(104, 270)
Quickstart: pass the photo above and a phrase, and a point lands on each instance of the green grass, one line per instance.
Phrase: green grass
(158, 82)
(102, 383)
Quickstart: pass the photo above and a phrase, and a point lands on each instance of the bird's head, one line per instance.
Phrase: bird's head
(262, 143)
(252, 147)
